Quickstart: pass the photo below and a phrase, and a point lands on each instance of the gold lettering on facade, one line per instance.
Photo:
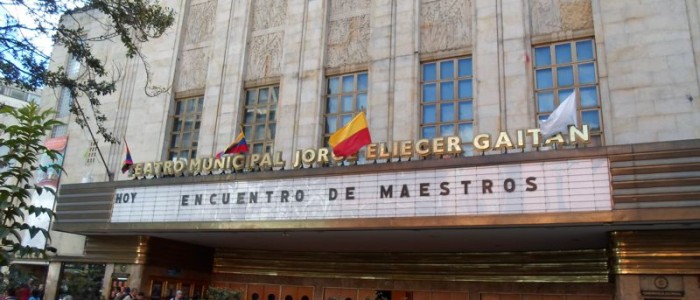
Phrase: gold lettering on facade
(482, 142)
(503, 141)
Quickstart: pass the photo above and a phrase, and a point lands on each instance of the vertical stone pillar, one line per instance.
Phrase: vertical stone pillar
(381, 77)
(517, 85)
(52, 277)
(486, 68)
(405, 117)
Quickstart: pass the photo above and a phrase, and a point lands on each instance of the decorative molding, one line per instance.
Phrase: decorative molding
(200, 22)
(553, 16)
(266, 39)
(445, 25)
(265, 56)
(193, 69)
(348, 40)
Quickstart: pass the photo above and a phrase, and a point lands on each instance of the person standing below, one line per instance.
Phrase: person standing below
(36, 295)
(24, 291)
(178, 295)
(10, 294)
(127, 294)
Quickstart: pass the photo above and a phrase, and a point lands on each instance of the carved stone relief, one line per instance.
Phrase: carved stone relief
(200, 21)
(445, 25)
(193, 61)
(265, 55)
(265, 41)
(193, 69)
(348, 32)
(343, 6)
(348, 40)
(551, 16)
(268, 14)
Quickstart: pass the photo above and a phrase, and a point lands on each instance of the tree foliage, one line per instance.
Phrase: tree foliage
(24, 141)
(23, 64)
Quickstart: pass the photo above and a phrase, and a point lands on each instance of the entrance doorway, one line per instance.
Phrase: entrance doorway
(165, 289)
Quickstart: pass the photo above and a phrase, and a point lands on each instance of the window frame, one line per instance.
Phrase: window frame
(597, 135)
(339, 113)
(456, 122)
(267, 143)
(181, 118)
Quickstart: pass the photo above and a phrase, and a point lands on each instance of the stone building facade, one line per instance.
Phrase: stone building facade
(291, 72)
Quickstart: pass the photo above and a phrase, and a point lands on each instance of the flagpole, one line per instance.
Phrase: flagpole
(110, 175)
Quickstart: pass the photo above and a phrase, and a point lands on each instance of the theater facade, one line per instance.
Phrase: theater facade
(459, 195)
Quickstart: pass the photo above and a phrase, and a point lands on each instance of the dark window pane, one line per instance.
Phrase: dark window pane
(331, 125)
(586, 73)
(589, 97)
(361, 101)
(345, 119)
(565, 76)
(249, 116)
(275, 94)
(261, 115)
(429, 113)
(178, 107)
(184, 154)
(200, 104)
(347, 104)
(544, 78)
(447, 112)
(271, 130)
(466, 110)
(465, 88)
(185, 140)
(174, 140)
(584, 50)
(260, 132)
(466, 132)
(563, 53)
(193, 154)
(592, 118)
(251, 96)
(447, 91)
(447, 130)
(542, 56)
(332, 105)
(197, 124)
(191, 105)
(465, 67)
(447, 70)
(545, 102)
(428, 132)
(172, 155)
(362, 82)
(543, 117)
(348, 83)
(563, 94)
(429, 72)
(429, 92)
(258, 148)
(333, 86)
(271, 115)
(177, 124)
(262, 98)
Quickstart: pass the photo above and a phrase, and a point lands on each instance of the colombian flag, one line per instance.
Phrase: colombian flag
(353, 136)
(238, 146)
(128, 162)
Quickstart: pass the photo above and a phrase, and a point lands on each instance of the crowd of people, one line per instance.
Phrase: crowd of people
(134, 294)
(25, 291)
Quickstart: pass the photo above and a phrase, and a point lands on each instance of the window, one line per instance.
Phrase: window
(73, 68)
(184, 133)
(447, 100)
(561, 69)
(91, 154)
(346, 95)
(259, 119)
(64, 102)
(59, 131)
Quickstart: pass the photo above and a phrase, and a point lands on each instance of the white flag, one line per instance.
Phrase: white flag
(561, 118)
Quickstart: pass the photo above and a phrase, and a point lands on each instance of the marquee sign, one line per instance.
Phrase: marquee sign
(556, 186)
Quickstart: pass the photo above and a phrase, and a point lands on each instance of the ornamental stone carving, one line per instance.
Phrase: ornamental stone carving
(348, 33)
(265, 55)
(268, 14)
(445, 25)
(552, 16)
(193, 69)
(200, 21)
(265, 40)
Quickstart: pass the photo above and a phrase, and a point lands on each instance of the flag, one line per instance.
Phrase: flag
(128, 162)
(239, 145)
(560, 119)
(349, 139)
